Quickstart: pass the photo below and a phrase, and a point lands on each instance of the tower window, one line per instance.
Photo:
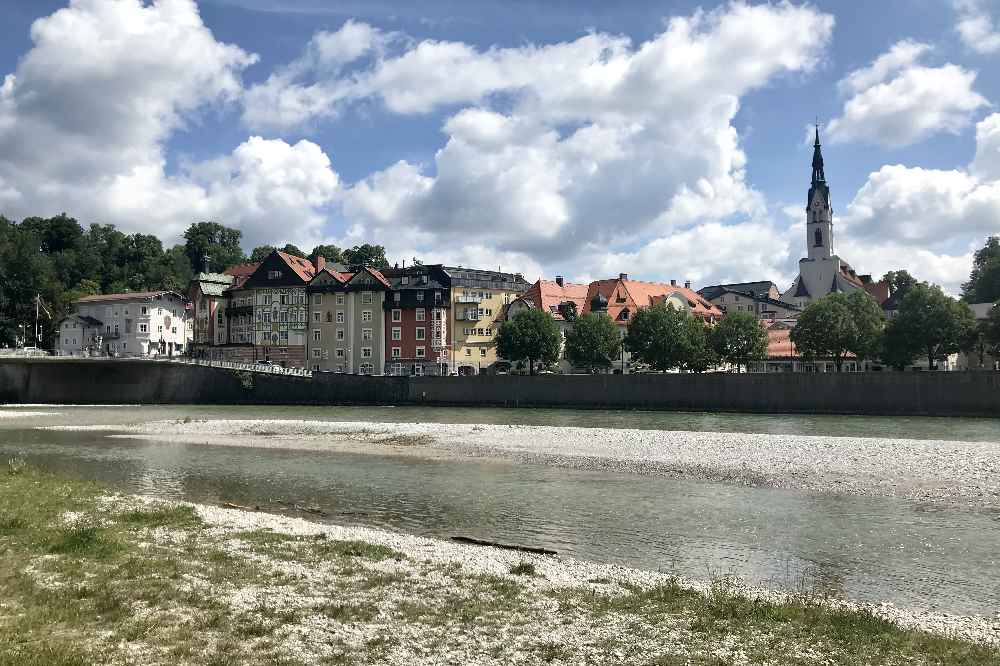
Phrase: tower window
(818, 235)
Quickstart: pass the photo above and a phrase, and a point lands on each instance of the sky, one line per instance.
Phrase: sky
(667, 140)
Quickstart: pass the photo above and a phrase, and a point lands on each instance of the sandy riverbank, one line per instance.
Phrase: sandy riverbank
(914, 469)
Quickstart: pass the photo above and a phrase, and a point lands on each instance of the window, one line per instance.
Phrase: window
(143, 328)
(329, 317)
(420, 297)
(366, 315)
(818, 236)
(366, 352)
(482, 352)
(173, 329)
(366, 369)
(421, 352)
(489, 331)
(339, 353)
(144, 310)
(283, 299)
(421, 314)
(468, 352)
(316, 335)
(418, 370)
(397, 352)
(437, 296)
(340, 334)
(159, 329)
(396, 296)
(317, 299)
(421, 333)
(317, 353)
(405, 279)
(340, 299)
(397, 333)
(397, 315)
(316, 316)
(366, 297)
(273, 275)
(340, 316)
(467, 331)
(366, 334)
(315, 367)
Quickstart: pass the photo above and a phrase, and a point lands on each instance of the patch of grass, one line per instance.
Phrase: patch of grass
(15, 466)
(523, 569)
(550, 651)
(406, 440)
(84, 541)
(11, 524)
(370, 551)
(180, 517)
(346, 612)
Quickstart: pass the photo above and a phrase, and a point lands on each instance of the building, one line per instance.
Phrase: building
(760, 298)
(479, 300)
(783, 356)
(347, 320)
(821, 272)
(557, 297)
(983, 358)
(223, 329)
(418, 321)
(146, 323)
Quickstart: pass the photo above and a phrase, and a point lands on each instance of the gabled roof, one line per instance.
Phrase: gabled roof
(758, 289)
(641, 294)
(548, 295)
(240, 273)
(128, 296)
(374, 273)
(302, 267)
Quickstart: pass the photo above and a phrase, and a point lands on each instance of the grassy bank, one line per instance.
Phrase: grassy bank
(87, 577)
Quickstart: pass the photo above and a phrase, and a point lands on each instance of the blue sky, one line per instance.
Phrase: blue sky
(663, 139)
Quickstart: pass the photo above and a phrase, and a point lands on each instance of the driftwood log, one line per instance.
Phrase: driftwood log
(505, 546)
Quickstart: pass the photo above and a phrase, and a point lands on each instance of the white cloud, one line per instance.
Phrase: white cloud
(926, 220)
(897, 102)
(977, 27)
(85, 119)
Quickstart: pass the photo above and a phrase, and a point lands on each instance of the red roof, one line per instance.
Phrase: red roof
(635, 294)
(547, 295)
(339, 277)
(240, 273)
(780, 345)
(130, 295)
(878, 290)
(378, 276)
(302, 267)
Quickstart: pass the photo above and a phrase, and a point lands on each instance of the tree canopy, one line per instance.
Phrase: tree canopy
(931, 324)
(593, 342)
(531, 336)
(366, 255)
(838, 325)
(899, 281)
(984, 280)
(210, 239)
(666, 338)
(739, 340)
(331, 253)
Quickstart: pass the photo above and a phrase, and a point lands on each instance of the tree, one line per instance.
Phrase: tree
(984, 280)
(293, 250)
(532, 336)
(331, 253)
(837, 325)
(220, 244)
(593, 342)
(899, 281)
(260, 253)
(929, 323)
(740, 340)
(366, 255)
(568, 310)
(869, 324)
(666, 338)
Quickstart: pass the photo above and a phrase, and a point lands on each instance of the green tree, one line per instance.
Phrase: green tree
(260, 253)
(984, 280)
(593, 342)
(293, 250)
(899, 281)
(930, 324)
(531, 336)
(568, 310)
(220, 244)
(869, 324)
(331, 253)
(366, 255)
(666, 338)
(740, 340)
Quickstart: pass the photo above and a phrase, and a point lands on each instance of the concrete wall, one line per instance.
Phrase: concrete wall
(86, 381)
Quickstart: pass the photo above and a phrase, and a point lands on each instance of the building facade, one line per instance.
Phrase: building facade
(347, 322)
(479, 300)
(418, 321)
(149, 323)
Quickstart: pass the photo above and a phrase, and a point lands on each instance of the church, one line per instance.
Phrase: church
(821, 272)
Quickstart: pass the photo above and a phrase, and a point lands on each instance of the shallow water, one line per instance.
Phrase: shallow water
(928, 556)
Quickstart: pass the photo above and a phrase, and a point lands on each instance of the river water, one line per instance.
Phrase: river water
(933, 556)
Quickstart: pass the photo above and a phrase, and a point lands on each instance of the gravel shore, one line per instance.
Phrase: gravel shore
(925, 470)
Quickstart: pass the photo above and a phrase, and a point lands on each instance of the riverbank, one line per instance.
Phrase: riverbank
(90, 577)
(924, 470)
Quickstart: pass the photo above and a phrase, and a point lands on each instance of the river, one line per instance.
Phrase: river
(932, 556)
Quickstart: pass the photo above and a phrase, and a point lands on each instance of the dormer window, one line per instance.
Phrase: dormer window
(405, 280)
(274, 275)
(623, 316)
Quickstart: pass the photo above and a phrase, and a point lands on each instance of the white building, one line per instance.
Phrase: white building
(821, 272)
(148, 323)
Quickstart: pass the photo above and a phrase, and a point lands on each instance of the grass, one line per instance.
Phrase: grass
(152, 584)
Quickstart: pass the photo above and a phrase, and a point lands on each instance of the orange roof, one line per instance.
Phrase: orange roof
(780, 345)
(378, 276)
(338, 276)
(635, 294)
(878, 290)
(547, 295)
(129, 295)
(302, 267)
(240, 273)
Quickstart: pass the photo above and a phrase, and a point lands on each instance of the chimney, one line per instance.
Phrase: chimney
(673, 283)
(320, 263)
(623, 276)
(559, 280)
(687, 284)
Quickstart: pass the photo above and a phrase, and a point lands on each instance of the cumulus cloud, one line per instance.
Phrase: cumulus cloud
(85, 119)
(896, 101)
(927, 220)
(976, 27)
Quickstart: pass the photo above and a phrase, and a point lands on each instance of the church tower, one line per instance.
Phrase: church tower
(819, 211)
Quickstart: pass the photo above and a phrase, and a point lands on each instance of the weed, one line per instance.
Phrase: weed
(523, 569)
(181, 517)
(371, 551)
(84, 541)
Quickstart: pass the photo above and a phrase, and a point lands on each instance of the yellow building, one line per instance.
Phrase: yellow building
(478, 301)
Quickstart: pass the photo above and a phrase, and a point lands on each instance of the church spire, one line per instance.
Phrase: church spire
(818, 175)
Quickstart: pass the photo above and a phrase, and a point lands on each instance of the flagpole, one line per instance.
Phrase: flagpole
(37, 298)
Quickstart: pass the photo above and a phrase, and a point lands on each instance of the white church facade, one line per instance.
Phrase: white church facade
(821, 272)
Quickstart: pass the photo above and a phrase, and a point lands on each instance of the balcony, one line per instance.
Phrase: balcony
(468, 299)
(470, 314)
